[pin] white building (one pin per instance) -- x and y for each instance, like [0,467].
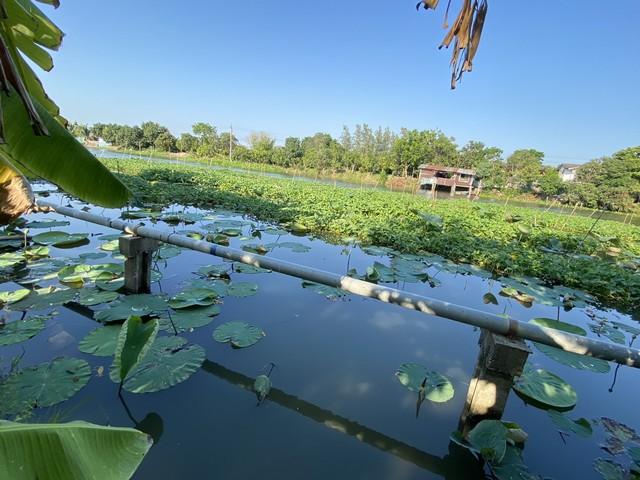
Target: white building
[568,171]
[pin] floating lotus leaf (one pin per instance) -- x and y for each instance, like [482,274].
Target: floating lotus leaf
[194,297]
[140,305]
[378,251]
[580,427]
[248,269]
[512,466]
[634,331]
[34,253]
[610,470]
[218,239]
[110,237]
[20,330]
[94,296]
[221,270]
[538,386]
[168,251]
[609,331]
[44,298]
[111,245]
[416,378]
[169,361]
[12,243]
[101,341]
[256,248]
[231,232]
[262,386]
[489,298]
[240,334]
[61,239]
[558,325]
[14,295]
[329,292]
[619,430]
[10,259]
[490,438]
[293,246]
[47,224]
[111,285]
[581,362]
[275,231]
[242,289]
[43,385]
[78,274]
[187,320]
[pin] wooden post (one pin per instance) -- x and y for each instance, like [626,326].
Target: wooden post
[137,266]
[500,360]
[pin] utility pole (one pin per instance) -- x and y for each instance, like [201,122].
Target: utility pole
[230,140]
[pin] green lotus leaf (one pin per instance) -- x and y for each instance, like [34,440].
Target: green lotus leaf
[262,386]
[242,289]
[92,255]
[11,259]
[20,330]
[489,298]
[101,342]
[187,320]
[221,270]
[609,469]
[169,361]
[139,305]
[331,293]
[44,298]
[168,251]
[194,297]
[134,341]
[538,386]
[47,224]
[293,246]
[248,269]
[239,334]
[490,438]
[111,245]
[580,427]
[14,295]
[111,285]
[43,385]
[558,325]
[61,239]
[94,296]
[434,386]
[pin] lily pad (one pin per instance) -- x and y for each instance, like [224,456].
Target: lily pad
[194,297]
[329,292]
[92,255]
[489,298]
[13,295]
[558,325]
[240,334]
[416,378]
[168,251]
[215,271]
[293,246]
[609,469]
[541,387]
[169,361]
[11,259]
[44,385]
[111,245]
[490,438]
[248,269]
[43,298]
[262,387]
[111,285]
[101,341]
[61,239]
[20,330]
[189,319]
[140,305]
[242,289]
[580,427]
[94,296]
[47,224]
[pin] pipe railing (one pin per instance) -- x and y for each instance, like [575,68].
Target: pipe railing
[495,323]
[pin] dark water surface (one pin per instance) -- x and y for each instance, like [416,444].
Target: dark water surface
[336,409]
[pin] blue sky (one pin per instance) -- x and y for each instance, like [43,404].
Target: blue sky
[561,77]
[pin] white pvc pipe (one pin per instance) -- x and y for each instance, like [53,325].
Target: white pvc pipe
[494,323]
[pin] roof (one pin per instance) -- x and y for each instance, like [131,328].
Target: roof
[569,166]
[441,168]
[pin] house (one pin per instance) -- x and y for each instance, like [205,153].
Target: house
[568,171]
[433,176]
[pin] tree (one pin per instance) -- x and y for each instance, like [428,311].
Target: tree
[292,152]
[549,182]
[523,168]
[226,141]
[262,146]
[207,136]
[321,151]
[187,143]
[415,147]
[165,142]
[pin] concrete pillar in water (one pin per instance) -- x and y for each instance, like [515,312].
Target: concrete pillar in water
[137,266]
[500,360]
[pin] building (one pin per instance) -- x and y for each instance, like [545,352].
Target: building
[568,171]
[454,179]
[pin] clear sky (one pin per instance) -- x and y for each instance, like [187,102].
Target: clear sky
[559,76]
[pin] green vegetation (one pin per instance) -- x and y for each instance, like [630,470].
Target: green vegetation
[557,249]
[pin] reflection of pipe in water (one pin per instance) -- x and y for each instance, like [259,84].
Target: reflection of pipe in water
[457,464]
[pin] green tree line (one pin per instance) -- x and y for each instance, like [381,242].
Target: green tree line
[612,183]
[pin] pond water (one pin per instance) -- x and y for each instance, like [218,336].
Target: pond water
[337,409]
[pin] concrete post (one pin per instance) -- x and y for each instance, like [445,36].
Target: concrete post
[137,266]
[499,361]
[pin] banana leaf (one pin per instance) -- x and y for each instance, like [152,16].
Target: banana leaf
[70,451]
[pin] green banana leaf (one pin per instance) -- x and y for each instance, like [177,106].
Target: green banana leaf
[70,451]
[58,158]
